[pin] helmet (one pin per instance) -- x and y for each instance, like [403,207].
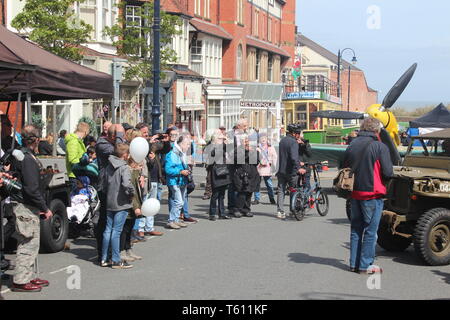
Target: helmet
[294,128]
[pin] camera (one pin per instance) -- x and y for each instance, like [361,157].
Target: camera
[190,178]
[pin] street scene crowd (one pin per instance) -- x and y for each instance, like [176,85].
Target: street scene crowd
[236,162]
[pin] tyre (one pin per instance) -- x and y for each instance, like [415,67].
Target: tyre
[322,203]
[391,242]
[432,237]
[54,231]
[348,209]
[298,206]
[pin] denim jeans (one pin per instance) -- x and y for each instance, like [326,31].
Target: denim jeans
[269,185]
[185,204]
[177,199]
[217,202]
[114,225]
[232,195]
[284,182]
[365,218]
[145,224]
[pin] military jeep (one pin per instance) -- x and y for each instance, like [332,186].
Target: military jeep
[417,208]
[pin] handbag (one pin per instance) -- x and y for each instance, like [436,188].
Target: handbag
[345,179]
[221,170]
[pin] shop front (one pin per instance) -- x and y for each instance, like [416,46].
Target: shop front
[298,107]
[261,105]
[190,108]
[223,106]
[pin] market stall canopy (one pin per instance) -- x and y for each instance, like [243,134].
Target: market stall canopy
[26,68]
[332,114]
[439,117]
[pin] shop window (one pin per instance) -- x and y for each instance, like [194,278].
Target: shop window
[239,63]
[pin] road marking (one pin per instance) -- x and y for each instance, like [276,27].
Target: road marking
[5,291]
[62,269]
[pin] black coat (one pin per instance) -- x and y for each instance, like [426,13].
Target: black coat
[288,156]
[213,162]
[246,177]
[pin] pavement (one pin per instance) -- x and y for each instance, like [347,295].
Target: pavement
[259,258]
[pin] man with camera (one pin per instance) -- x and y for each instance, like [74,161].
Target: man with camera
[28,207]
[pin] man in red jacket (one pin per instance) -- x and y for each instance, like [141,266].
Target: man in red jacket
[370,160]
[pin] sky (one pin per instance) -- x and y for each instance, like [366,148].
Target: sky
[388,36]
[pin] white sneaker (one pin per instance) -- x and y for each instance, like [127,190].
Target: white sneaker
[181,224]
[173,225]
[281,215]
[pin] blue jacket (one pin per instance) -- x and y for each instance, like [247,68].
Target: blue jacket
[173,166]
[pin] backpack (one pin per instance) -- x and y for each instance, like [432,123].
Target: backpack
[345,178]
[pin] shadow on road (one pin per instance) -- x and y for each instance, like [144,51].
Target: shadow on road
[339,221]
[335,296]
[408,257]
[306,258]
[445,276]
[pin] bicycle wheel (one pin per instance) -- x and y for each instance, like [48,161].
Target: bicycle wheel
[322,203]
[298,206]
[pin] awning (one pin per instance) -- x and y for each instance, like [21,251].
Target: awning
[266,46]
[191,107]
[45,75]
[211,29]
[260,95]
[332,114]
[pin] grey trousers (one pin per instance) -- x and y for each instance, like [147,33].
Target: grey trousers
[28,225]
[284,182]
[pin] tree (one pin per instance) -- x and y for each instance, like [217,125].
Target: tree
[54,26]
[133,39]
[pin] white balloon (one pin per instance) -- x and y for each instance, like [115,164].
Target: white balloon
[150,207]
[139,149]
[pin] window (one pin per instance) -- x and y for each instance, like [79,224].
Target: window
[206,9]
[255,23]
[132,16]
[105,16]
[258,66]
[271,3]
[269,30]
[239,63]
[240,12]
[196,51]
[197,7]
[270,69]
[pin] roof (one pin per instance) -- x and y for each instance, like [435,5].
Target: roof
[174,6]
[209,28]
[53,77]
[304,41]
[336,114]
[266,46]
[441,134]
[261,92]
[86,51]
[185,71]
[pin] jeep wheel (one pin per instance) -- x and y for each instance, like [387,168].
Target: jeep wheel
[54,231]
[391,242]
[432,237]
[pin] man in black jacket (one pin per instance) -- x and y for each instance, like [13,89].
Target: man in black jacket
[28,207]
[289,165]
[370,160]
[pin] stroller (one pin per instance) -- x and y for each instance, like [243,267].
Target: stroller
[85,205]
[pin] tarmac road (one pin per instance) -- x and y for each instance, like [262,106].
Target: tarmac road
[261,258]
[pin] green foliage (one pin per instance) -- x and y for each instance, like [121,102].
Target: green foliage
[134,40]
[90,122]
[54,26]
[399,111]
[36,120]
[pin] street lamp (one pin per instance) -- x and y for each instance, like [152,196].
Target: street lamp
[349,72]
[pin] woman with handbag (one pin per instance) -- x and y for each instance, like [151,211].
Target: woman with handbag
[220,176]
[246,178]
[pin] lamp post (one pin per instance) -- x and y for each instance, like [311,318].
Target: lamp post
[156,112]
[349,72]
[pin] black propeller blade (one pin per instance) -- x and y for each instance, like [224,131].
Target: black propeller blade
[399,87]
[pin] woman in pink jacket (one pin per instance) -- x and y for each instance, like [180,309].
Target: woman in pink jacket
[266,168]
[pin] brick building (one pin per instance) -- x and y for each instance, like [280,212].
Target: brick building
[317,60]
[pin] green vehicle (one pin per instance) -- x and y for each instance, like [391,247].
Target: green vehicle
[417,206]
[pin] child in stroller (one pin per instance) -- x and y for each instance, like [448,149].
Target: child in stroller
[84,206]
